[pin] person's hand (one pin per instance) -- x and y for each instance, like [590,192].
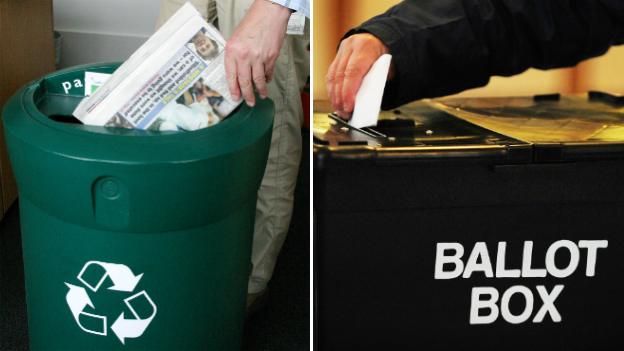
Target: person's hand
[354,59]
[251,52]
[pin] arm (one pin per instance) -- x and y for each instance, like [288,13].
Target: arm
[442,47]
[251,52]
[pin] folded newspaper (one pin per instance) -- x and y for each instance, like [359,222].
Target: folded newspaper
[175,81]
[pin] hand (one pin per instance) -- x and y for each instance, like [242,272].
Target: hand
[354,59]
[251,52]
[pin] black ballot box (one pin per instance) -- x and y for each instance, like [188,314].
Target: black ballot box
[472,224]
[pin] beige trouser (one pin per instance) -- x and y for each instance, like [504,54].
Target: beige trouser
[275,197]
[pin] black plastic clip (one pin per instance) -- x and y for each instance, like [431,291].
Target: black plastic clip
[547,97]
[612,99]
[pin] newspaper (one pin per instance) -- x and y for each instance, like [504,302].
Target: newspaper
[175,81]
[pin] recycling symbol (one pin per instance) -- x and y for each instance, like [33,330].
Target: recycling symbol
[123,280]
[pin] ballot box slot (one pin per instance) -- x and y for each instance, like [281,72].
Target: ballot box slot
[416,133]
[400,130]
[366,131]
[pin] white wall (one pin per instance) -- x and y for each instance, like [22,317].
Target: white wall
[98,31]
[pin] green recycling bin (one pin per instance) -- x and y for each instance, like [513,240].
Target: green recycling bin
[133,240]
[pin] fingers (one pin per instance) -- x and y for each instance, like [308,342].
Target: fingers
[337,77]
[238,69]
[330,79]
[245,81]
[269,70]
[340,75]
[354,74]
[245,69]
[231,75]
[259,78]
[354,59]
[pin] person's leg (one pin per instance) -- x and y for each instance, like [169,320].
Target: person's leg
[301,53]
[276,193]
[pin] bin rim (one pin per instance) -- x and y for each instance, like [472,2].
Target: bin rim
[22,117]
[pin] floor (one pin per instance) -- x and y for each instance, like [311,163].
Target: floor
[283,324]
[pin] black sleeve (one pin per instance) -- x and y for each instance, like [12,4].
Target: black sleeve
[441,47]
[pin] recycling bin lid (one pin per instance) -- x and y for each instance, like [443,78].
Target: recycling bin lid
[130,180]
[415,132]
[45,105]
[560,128]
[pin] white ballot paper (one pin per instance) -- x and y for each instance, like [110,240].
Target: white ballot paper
[368,98]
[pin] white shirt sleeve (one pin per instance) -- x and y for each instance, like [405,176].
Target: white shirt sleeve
[302,6]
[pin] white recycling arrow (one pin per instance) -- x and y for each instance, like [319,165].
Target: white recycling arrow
[123,280]
[133,328]
[122,276]
[77,299]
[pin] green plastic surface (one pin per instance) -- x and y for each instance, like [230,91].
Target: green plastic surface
[177,207]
